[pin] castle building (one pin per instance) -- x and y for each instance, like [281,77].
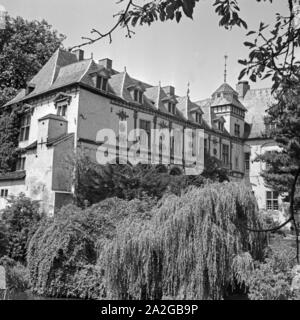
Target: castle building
[72,98]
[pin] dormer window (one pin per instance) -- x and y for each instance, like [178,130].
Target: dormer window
[62,110]
[220,126]
[101,83]
[172,107]
[198,117]
[138,96]
[61,102]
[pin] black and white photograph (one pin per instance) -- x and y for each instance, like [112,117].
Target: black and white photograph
[149,151]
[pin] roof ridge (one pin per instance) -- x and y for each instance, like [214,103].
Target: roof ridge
[123,84]
[54,71]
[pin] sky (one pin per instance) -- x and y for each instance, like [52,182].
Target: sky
[175,54]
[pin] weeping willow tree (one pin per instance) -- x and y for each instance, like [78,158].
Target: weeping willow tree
[191,246]
[187,249]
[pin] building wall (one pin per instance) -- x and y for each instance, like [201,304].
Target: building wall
[231,121]
[40,172]
[46,106]
[97,112]
[63,166]
[39,166]
[253,176]
[38,182]
[13,187]
[237,157]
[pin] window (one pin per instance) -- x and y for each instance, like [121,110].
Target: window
[25,127]
[237,130]
[220,126]
[62,110]
[225,154]
[272,200]
[237,162]
[20,163]
[146,125]
[205,145]
[172,146]
[171,107]
[198,117]
[138,96]
[4,193]
[247,160]
[101,83]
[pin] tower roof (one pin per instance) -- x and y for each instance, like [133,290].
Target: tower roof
[225,88]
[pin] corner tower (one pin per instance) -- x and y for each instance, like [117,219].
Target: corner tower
[225,103]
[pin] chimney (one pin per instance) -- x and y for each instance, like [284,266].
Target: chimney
[51,127]
[79,54]
[169,90]
[242,88]
[106,63]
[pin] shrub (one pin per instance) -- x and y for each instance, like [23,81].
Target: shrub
[271,279]
[17,276]
[98,182]
[63,252]
[20,217]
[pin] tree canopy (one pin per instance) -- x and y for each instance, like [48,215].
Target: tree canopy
[25,46]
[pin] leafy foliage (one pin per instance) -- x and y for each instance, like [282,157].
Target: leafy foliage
[283,166]
[17,276]
[97,182]
[25,46]
[3,239]
[63,252]
[20,218]
[9,134]
[186,249]
[271,278]
[179,247]
[141,13]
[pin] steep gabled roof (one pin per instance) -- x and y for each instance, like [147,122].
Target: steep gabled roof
[225,88]
[205,107]
[46,78]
